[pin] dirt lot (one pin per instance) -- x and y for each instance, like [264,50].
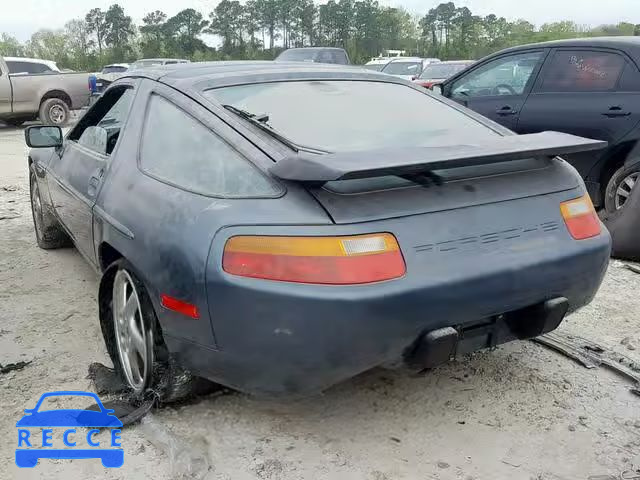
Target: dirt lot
[519,412]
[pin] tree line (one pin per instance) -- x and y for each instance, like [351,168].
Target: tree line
[260,29]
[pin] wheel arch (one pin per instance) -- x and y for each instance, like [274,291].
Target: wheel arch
[623,154]
[107,255]
[59,94]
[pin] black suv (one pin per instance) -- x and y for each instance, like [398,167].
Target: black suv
[588,87]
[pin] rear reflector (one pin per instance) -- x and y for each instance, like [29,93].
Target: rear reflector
[323,260]
[179,306]
[581,218]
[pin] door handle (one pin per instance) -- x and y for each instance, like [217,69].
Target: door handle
[94,183]
[506,110]
[616,111]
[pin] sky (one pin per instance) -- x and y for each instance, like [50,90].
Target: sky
[27,16]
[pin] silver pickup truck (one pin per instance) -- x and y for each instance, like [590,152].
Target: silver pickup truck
[48,96]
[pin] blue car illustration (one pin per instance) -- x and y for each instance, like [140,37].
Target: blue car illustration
[112,457]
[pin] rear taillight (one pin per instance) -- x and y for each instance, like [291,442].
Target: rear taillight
[581,218]
[324,260]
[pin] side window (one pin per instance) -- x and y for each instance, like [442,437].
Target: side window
[582,71]
[179,150]
[502,76]
[99,129]
[20,67]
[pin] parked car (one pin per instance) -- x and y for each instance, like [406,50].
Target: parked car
[315,54]
[156,62]
[377,64]
[408,68]
[438,72]
[260,241]
[115,68]
[47,95]
[108,75]
[585,87]
[30,66]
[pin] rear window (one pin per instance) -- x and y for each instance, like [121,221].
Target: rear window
[582,71]
[298,55]
[114,69]
[403,68]
[146,64]
[339,115]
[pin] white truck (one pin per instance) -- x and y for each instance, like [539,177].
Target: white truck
[48,95]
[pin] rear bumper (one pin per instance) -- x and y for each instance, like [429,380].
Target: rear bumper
[289,339]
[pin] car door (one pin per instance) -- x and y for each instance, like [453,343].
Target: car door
[583,91]
[75,176]
[5,92]
[498,87]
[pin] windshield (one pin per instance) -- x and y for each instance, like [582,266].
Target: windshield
[442,70]
[402,68]
[114,69]
[375,66]
[352,115]
[298,55]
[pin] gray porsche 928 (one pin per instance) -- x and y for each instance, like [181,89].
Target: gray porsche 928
[279,227]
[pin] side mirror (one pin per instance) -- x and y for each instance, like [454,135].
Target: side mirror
[413,77]
[42,136]
[436,89]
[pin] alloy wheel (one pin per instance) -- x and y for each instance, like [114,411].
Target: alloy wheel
[36,206]
[133,340]
[57,114]
[624,189]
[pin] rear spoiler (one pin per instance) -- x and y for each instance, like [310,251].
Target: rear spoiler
[307,167]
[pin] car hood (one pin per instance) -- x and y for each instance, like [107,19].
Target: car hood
[69,418]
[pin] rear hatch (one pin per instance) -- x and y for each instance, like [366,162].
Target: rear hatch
[366,186]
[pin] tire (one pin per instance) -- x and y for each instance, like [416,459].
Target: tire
[54,111]
[619,187]
[49,233]
[623,223]
[160,374]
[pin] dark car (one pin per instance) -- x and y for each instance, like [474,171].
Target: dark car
[315,54]
[278,228]
[588,87]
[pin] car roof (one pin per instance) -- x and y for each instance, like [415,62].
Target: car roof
[26,59]
[50,63]
[450,62]
[116,65]
[407,59]
[200,76]
[313,48]
[629,44]
[161,60]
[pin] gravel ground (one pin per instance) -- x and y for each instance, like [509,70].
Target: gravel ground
[519,412]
